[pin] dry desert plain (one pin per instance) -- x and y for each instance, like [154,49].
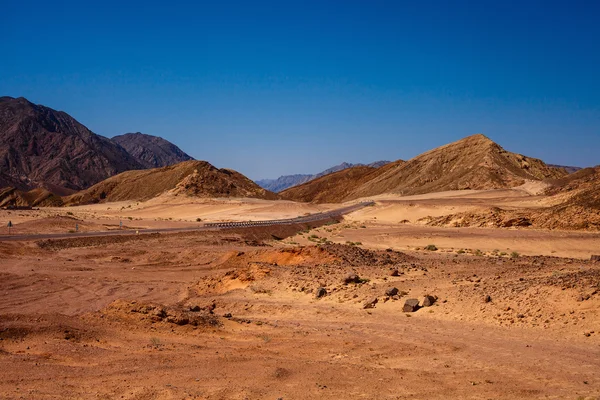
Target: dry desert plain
[234,314]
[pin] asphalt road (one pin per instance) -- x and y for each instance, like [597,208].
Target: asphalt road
[208,226]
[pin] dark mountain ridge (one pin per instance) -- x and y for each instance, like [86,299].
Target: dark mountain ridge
[42,147]
[151,151]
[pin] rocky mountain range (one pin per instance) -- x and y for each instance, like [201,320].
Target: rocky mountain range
[151,151]
[474,162]
[41,147]
[288,181]
[44,148]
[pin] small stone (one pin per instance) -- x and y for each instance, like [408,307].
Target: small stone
[391,291]
[195,308]
[487,298]
[395,272]
[371,303]
[320,292]
[428,301]
[411,305]
[227,315]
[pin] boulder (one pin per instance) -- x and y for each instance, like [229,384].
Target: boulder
[428,301]
[411,305]
[391,291]
[320,292]
[351,278]
[371,303]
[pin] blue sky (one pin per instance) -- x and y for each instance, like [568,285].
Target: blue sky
[279,87]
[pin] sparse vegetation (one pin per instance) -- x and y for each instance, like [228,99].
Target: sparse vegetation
[155,342]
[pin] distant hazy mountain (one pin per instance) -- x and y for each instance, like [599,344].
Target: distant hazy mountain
[570,170]
[42,147]
[288,181]
[151,151]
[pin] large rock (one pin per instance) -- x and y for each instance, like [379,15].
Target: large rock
[428,301]
[351,278]
[391,291]
[371,303]
[320,292]
[411,305]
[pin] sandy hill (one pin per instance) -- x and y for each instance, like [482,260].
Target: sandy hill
[151,151]
[42,147]
[577,202]
[287,181]
[573,203]
[11,197]
[474,162]
[193,178]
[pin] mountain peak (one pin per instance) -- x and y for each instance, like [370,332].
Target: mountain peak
[151,151]
[474,162]
[42,147]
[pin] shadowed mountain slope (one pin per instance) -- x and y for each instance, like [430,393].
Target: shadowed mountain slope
[42,147]
[151,151]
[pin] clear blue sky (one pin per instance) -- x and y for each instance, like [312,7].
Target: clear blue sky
[279,87]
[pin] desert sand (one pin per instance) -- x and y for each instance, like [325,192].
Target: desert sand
[235,314]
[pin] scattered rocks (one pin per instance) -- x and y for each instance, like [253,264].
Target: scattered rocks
[371,303]
[321,292]
[595,257]
[391,291]
[352,278]
[410,305]
[428,301]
